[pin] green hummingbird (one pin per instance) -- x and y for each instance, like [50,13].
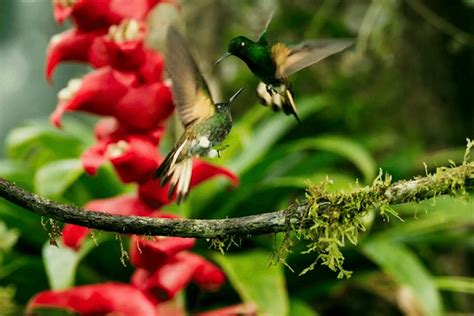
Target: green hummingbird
[273,64]
[206,124]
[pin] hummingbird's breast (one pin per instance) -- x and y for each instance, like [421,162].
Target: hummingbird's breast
[217,127]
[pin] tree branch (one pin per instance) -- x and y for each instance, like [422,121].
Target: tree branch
[454,180]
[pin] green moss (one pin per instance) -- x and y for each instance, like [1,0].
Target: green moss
[332,219]
[52,228]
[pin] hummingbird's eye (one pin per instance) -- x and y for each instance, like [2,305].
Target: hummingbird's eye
[242,44]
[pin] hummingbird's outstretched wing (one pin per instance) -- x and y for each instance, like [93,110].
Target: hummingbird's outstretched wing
[308,53]
[262,37]
[190,92]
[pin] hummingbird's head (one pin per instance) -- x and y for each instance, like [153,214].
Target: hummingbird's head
[225,106]
[238,46]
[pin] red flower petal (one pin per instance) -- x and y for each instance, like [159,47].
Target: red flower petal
[94,157]
[154,194]
[143,108]
[165,282]
[94,14]
[98,93]
[248,309]
[168,279]
[203,170]
[61,10]
[152,67]
[148,253]
[70,45]
[74,235]
[137,161]
[208,276]
[134,156]
[97,299]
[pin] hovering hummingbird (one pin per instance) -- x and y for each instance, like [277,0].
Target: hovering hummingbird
[206,124]
[273,64]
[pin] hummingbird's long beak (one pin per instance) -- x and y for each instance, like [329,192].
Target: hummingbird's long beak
[232,98]
[226,54]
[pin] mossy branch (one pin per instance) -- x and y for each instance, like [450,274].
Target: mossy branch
[319,206]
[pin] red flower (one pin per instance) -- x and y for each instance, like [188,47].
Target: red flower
[144,107]
[70,45]
[109,92]
[97,299]
[134,156]
[97,92]
[93,14]
[147,253]
[168,279]
[153,194]
[74,235]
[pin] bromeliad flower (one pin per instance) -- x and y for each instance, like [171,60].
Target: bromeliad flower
[168,278]
[95,14]
[71,45]
[112,93]
[149,252]
[134,156]
[97,92]
[98,299]
[73,235]
[121,47]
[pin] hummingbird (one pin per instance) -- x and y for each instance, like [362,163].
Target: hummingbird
[206,124]
[273,64]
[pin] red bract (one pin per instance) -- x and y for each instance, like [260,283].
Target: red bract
[97,299]
[167,280]
[149,253]
[97,93]
[144,107]
[70,45]
[74,235]
[94,14]
[153,194]
[133,156]
[112,93]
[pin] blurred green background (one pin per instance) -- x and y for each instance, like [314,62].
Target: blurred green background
[401,97]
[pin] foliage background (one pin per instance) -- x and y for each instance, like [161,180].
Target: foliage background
[402,96]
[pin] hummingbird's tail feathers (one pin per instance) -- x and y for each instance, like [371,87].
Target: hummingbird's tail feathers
[278,98]
[179,176]
[178,173]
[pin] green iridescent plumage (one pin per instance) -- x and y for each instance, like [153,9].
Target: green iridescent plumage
[206,123]
[273,64]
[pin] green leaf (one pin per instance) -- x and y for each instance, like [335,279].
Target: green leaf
[16,171]
[342,146]
[300,308]
[8,237]
[61,263]
[29,224]
[256,281]
[270,131]
[444,213]
[405,268]
[38,143]
[455,284]
[54,178]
